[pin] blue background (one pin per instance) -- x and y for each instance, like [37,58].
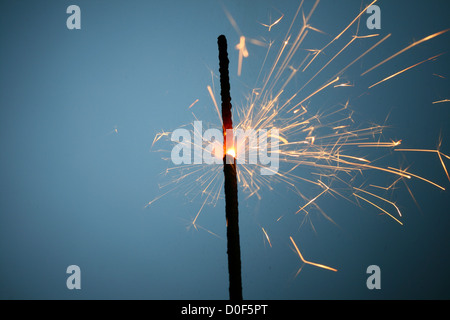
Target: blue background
[73,191]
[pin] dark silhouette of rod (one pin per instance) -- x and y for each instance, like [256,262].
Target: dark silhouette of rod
[229,169]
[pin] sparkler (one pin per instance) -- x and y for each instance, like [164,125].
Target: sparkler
[229,170]
[326,144]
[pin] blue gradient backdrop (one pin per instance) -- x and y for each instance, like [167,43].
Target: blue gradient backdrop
[73,191]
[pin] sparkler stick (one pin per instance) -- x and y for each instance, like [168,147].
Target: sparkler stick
[229,169]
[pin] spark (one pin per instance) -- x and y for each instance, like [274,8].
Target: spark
[416,43]
[158,136]
[309,262]
[267,236]
[243,53]
[386,188]
[215,102]
[418,177]
[441,101]
[160,196]
[379,144]
[113,131]
[196,226]
[348,84]
[193,103]
[342,32]
[381,198]
[232,21]
[272,24]
[314,199]
[315,92]
[364,54]
[439,153]
[406,69]
[378,207]
[354,20]
[198,213]
[438,75]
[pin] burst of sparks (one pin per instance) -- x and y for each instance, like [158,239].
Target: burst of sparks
[325,143]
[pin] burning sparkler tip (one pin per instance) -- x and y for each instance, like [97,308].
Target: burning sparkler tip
[231,152]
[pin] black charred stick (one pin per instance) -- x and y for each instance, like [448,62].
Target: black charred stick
[229,169]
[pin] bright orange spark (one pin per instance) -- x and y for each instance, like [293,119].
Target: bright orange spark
[378,207]
[441,101]
[438,75]
[440,154]
[354,20]
[215,103]
[443,165]
[386,188]
[362,55]
[381,198]
[267,237]
[232,21]
[418,177]
[159,136]
[406,69]
[314,199]
[423,150]
[193,104]
[243,53]
[348,84]
[309,262]
[342,32]
[271,25]
[314,93]
[379,144]
[405,49]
